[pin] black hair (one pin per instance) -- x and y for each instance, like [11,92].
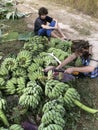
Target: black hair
[43,11]
[79,45]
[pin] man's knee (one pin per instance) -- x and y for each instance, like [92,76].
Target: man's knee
[42,32]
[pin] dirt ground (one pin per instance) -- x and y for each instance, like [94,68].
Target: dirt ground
[75,25]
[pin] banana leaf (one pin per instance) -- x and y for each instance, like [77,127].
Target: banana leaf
[25,36]
[11,36]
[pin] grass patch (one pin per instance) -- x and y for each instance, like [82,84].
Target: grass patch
[89,7]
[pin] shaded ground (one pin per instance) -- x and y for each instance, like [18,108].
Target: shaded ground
[75,25]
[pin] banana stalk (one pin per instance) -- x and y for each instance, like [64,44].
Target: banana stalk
[3,118]
[84,107]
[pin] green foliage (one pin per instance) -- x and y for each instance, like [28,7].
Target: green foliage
[14,15]
[25,36]
[11,36]
[87,6]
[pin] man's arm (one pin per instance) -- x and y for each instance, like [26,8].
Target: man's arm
[48,27]
[80,69]
[67,60]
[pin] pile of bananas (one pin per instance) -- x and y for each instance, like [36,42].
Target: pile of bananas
[31,95]
[54,89]
[53,117]
[24,58]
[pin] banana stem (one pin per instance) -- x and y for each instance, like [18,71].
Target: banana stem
[84,107]
[3,118]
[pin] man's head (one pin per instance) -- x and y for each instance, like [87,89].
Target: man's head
[43,12]
[81,48]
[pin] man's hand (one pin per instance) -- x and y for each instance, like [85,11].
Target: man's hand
[69,70]
[49,68]
[48,27]
[45,26]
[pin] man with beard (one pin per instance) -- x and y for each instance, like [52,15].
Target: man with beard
[88,51]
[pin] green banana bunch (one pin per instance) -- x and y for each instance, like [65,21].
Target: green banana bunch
[36,75]
[53,117]
[47,59]
[9,64]
[60,54]
[20,85]
[2,103]
[54,42]
[71,95]
[54,89]
[2,81]
[54,105]
[39,40]
[31,95]
[24,58]
[20,72]
[34,48]
[38,60]
[3,71]
[35,72]
[11,86]
[72,98]
[15,127]
[57,43]
[28,46]
[34,67]
[50,127]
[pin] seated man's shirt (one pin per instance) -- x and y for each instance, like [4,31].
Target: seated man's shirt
[39,22]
